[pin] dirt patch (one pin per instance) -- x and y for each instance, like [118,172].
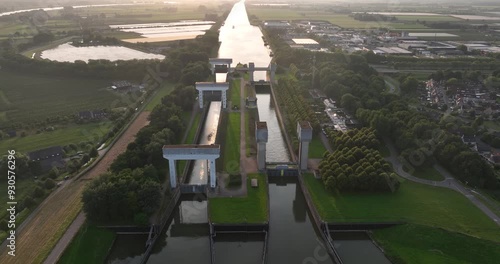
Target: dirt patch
[56,213]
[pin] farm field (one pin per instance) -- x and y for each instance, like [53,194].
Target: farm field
[61,136]
[412,203]
[34,98]
[341,20]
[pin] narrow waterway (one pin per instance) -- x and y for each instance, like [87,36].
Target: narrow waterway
[187,238]
[292,238]
[357,247]
[199,173]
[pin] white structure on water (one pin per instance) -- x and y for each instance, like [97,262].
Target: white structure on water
[191,152]
[209,86]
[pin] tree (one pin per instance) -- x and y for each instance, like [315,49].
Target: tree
[43,37]
[38,192]
[410,84]
[49,184]
[53,173]
[452,82]
[93,153]
[350,102]
[462,48]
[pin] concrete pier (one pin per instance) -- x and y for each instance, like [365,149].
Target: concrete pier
[304,132]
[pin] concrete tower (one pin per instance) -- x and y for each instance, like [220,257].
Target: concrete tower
[261,138]
[251,70]
[304,131]
[273,71]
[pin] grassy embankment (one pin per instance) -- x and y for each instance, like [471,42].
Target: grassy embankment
[436,209]
[316,148]
[413,243]
[249,209]
[91,242]
[231,132]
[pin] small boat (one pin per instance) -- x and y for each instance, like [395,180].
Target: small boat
[233,27]
[271,54]
[210,136]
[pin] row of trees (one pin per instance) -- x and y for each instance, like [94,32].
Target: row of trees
[129,70]
[295,107]
[358,169]
[373,17]
[129,194]
[354,138]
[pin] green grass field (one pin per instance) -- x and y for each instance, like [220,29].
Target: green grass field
[421,244]
[235,92]
[249,209]
[165,89]
[413,203]
[316,148]
[250,118]
[59,137]
[91,245]
[341,20]
[231,155]
[34,98]
[428,174]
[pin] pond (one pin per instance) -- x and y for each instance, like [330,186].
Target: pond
[69,53]
[156,32]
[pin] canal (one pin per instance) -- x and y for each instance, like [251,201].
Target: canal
[292,235]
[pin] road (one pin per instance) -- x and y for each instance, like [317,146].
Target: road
[449,182]
[42,228]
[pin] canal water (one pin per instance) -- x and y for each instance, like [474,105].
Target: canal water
[357,247]
[292,236]
[243,43]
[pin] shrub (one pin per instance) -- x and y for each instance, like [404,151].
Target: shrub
[49,184]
